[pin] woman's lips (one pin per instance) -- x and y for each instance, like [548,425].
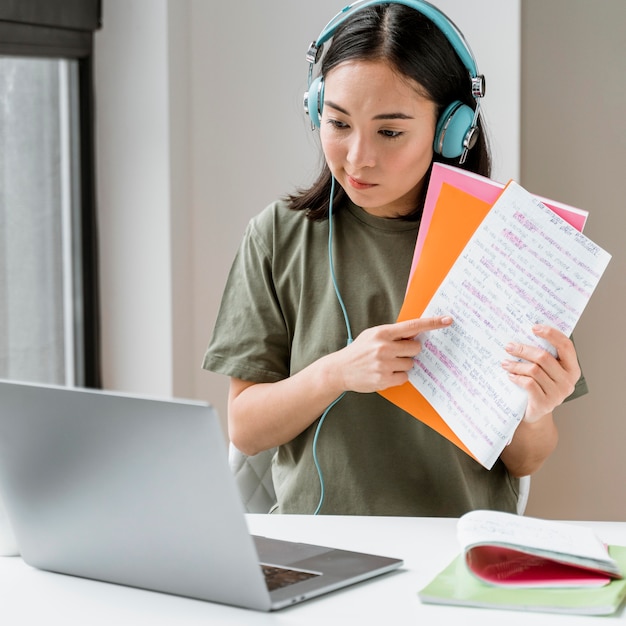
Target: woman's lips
[359,184]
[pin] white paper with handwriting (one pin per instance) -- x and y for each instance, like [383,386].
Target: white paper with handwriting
[523,265]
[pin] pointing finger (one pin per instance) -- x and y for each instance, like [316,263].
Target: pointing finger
[410,328]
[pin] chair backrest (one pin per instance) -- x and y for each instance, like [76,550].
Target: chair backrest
[253,475]
[524,491]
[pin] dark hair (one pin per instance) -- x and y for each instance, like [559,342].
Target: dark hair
[417,49]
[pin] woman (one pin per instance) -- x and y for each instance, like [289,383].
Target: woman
[308,340]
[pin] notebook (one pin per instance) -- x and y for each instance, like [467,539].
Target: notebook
[138,491]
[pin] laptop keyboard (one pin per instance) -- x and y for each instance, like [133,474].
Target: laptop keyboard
[278,577]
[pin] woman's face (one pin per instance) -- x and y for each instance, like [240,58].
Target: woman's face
[377,135]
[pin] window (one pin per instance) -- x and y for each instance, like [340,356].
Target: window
[48,272]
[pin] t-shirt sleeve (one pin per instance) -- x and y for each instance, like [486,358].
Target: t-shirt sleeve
[250,339]
[579,390]
[581,386]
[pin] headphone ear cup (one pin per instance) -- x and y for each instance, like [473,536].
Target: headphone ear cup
[453,129]
[315,101]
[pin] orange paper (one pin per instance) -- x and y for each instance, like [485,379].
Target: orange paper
[457,215]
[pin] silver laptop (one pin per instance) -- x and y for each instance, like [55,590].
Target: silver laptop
[138,491]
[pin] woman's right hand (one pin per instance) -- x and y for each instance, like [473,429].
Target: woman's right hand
[381,356]
[265,415]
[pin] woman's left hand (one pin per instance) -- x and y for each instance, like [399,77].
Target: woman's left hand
[547,379]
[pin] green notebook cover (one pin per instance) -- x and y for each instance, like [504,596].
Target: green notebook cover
[456,585]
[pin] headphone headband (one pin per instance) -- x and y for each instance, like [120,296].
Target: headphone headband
[444,23]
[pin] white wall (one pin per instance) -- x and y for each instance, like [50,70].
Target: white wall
[133,195]
[199,126]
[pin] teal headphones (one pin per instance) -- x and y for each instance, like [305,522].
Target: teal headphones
[457,128]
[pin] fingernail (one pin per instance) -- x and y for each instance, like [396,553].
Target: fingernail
[446,320]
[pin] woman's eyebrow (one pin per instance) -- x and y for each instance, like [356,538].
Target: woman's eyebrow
[332,105]
[393,116]
[381,116]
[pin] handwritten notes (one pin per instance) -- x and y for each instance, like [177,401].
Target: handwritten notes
[523,265]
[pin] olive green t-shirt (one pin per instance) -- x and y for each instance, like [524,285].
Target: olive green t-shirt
[280,313]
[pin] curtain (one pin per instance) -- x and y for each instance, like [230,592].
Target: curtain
[37,191]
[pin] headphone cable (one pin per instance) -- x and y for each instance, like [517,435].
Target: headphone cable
[349,331]
[331,262]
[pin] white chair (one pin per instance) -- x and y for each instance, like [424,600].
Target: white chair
[524,491]
[253,475]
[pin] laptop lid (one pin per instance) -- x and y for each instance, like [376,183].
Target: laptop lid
[138,491]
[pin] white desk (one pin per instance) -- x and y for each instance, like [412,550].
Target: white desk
[29,596]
